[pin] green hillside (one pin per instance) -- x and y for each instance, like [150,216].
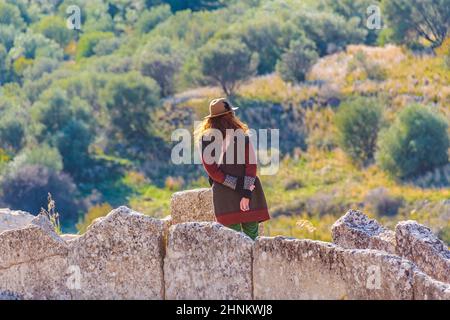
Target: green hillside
[87,114]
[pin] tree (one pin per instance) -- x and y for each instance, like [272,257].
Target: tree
[34,45]
[129,100]
[227,62]
[296,62]
[150,18]
[89,41]
[410,20]
[358,122]
[416,142]
[330,31]
[54,28]
[160,61]
[67,125]
[10,16]
[12,133]
[266,36]
[356,8]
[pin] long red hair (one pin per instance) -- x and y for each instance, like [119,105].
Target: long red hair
[222,123]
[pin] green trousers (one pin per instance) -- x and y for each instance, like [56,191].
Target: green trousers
[249,228]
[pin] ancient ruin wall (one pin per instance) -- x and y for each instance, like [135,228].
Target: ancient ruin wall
[126,255]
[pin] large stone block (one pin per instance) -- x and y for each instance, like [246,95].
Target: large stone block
[119,257]
[205,260]
[286,268]
[191,206]
[356,230]
[33,262]
[10,219]
[304,269]
[417,243]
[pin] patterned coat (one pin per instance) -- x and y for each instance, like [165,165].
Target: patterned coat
[231,181]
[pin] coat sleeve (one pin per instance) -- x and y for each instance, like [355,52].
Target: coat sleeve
[250,169]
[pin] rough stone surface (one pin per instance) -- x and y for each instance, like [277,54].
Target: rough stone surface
[426,288]
[304,269]
[417,243]
[120,257]
[10,219]
[205,260]
[356,230]
[192,205]
[33,261]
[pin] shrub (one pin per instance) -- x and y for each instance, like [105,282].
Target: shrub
[415,143]
[160,61]
[27,189]
[380,202]
[296,62]
[358,122]
[149,19]
[54,27]
[41,155]
[130,99]
[12,134]
[89,41]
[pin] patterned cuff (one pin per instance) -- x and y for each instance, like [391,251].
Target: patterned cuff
[248,182]
[230,182]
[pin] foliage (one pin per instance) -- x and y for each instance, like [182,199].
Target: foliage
[54,28]
[27,190]
[151,18]
[297,61]
[227,62]
[411,20]
[380,202]
[416,142]
[94,212]
[51,214]
[358,122]
[12,133]
[129,100]
[161,61]
[89,41]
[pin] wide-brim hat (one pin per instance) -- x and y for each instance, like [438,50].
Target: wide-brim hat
[220,107]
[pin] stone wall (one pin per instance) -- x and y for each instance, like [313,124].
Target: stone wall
[410,240]
[127,255]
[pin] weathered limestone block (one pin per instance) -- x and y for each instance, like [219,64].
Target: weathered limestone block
[119,257]
[33,262]
[427,288]
[376,275]
[286,268]
[10,219]
[205,260]
[192,205]
[417,243]
[304,269]
[356,230]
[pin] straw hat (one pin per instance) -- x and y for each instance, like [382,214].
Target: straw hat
[219,107]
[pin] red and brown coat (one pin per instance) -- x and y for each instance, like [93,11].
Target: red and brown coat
[232,181]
